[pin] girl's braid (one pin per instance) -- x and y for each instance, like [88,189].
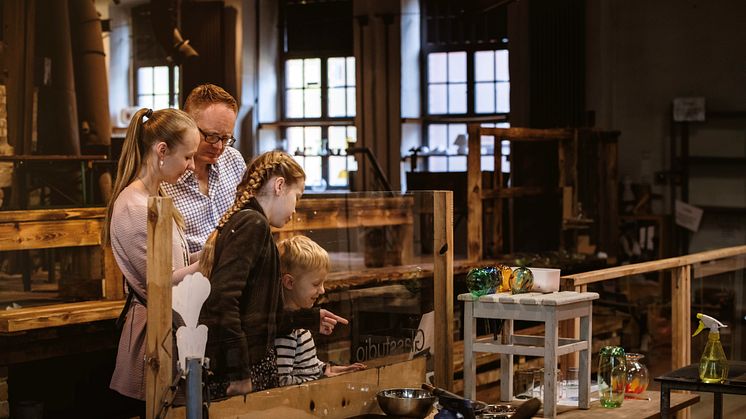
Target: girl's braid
[238,205]
[262,172]
[256,179]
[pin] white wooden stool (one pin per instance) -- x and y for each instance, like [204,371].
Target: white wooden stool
[548,308]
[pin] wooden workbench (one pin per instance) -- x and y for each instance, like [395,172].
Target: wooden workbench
[631,408]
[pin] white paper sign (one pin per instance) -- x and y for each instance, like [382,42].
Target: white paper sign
[688,216]
[689,109]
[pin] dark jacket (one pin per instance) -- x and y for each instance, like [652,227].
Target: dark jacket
[244,311]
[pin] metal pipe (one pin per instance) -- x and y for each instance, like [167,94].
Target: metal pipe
[194,388]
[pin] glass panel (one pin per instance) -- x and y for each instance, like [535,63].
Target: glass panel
[437,99]
[503,98]
[436,68]
[337,138]
[505,146]
[488,144]
[484,66]
[337,171]
[336,72]
[351,164]
[484,96]
[312,167]
[456,67]
[145,81]
[145,101]
[294,103]
[502,125]
[457,164]
[176,80]
[337,102]
[160,102]
[502,70]
[351,138]
[351,102]
[456,144]
[312,72]
[312,103]
[312,139]
[505,165]
[488,163]
[294,73]
[437,137]
[350,71]
[160,80]
[438,164]
[295,140]
[457,98]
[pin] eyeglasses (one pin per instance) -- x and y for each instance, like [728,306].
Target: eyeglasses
[227,140]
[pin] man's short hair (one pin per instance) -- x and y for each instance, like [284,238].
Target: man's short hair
[205,95]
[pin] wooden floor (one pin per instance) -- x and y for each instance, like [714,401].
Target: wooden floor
[734,406]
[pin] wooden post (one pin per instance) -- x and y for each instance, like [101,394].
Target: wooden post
[443,287]
[474,195]
[113,287]
[681,289]
[159,342]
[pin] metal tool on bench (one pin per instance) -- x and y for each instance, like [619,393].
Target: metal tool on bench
[472,409]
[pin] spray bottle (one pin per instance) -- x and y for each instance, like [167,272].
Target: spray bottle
[713,367]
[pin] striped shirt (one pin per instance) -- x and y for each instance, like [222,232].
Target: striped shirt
[296,358]
[202,212]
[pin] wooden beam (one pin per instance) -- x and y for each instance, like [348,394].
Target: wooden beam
[159,342]
[25,319]
[343,396]
[527,134]
[519,191]
[51,214]
[443,287]
[654,266]
[113,286]
[681,314]
[49,234]
[474,195]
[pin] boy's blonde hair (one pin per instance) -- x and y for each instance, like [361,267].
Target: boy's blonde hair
[299,254]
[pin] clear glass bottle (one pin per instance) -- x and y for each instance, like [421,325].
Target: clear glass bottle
[612,376]
[637,374]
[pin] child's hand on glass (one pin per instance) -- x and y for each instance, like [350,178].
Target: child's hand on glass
[333,370]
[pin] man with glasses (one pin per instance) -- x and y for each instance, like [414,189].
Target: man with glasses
[203,195]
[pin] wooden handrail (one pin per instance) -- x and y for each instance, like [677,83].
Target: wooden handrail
[652,266]
[681,291]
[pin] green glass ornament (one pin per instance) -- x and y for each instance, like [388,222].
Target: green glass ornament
[521,280]
[481,281]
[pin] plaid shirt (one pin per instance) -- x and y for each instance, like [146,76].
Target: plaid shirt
[202,212]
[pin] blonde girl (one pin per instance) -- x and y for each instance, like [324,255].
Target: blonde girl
[159,147]
[244,311]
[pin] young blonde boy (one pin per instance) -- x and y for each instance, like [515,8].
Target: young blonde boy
[304,266]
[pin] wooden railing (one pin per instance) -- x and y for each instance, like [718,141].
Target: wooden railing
[681,289]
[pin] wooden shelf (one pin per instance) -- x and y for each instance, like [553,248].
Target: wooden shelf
[24,319]
[723,210]
[715,160]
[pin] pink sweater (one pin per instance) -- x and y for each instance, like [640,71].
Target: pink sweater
[129,234]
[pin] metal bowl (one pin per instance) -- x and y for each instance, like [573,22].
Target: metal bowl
[407,402]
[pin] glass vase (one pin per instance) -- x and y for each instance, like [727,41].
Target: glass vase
[481,281]
[637,374]
[612,376]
